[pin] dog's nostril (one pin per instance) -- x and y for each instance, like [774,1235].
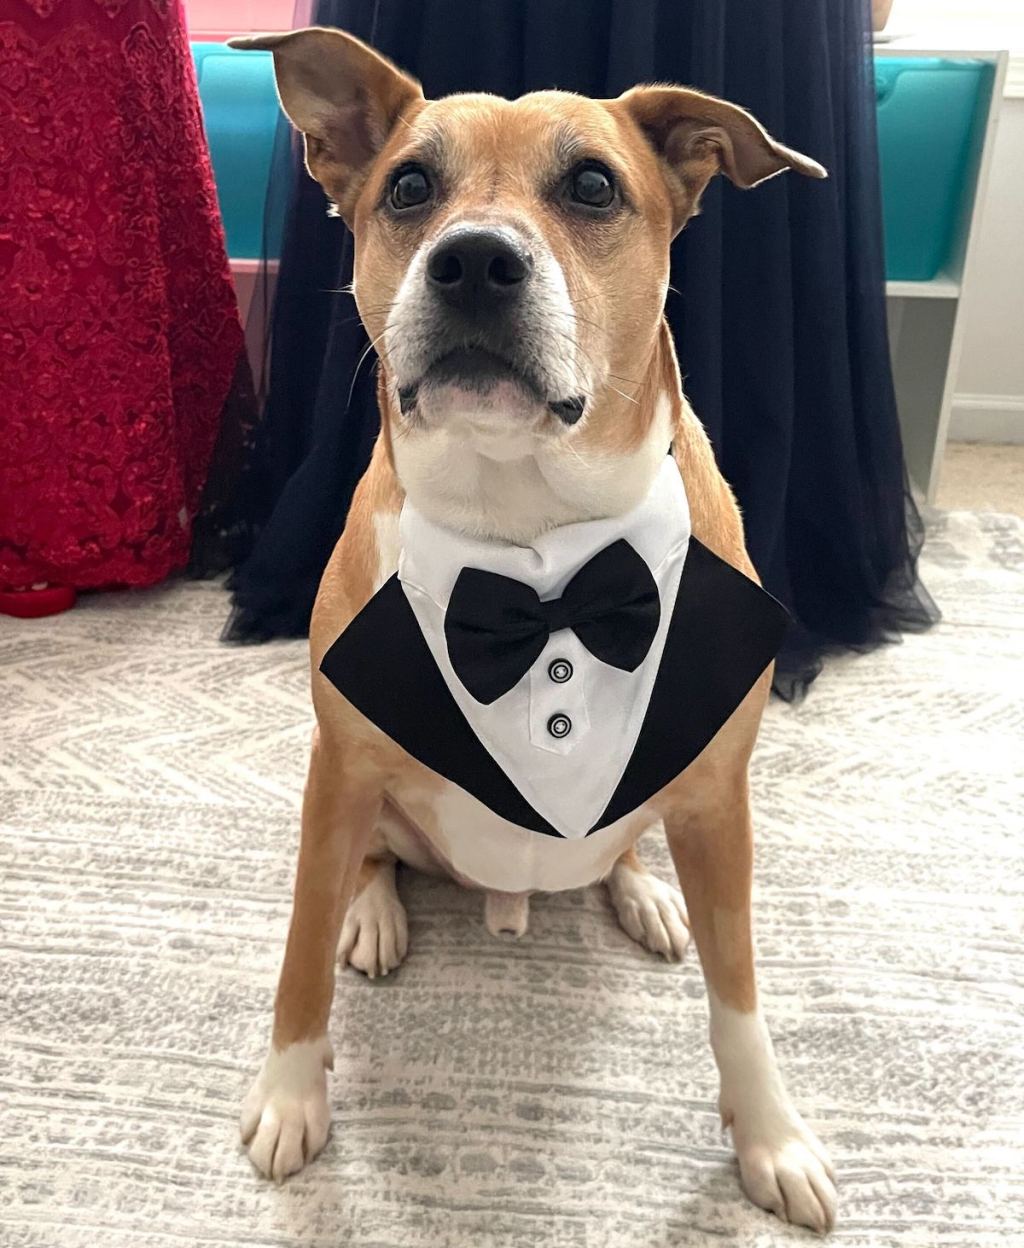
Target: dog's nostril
[506,269]
[445,268]
[470,268]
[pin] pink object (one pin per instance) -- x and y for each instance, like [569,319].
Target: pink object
[220,19]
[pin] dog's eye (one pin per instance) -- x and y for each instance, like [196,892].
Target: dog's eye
[593,186]
[410,187]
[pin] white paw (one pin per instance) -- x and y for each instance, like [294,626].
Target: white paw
[650,911]
[375,934]
[285,1117]
[784,1168]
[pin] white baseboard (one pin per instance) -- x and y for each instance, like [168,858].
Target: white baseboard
[987,418]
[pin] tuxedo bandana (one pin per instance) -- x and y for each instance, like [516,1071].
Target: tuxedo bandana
[562,683]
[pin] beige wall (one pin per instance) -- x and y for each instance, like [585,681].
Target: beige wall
[989,402]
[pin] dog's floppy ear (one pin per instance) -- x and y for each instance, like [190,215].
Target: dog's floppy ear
[698,135]
[343,96]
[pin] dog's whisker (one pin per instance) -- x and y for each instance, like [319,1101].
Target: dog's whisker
[580,351]
[370,346]
[627,397]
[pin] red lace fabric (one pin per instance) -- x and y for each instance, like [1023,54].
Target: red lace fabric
[119,332]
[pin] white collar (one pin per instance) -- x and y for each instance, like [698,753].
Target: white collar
[433,556]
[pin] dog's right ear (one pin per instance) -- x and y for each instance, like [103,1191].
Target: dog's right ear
[343,96]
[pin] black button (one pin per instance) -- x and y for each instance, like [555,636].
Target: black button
[560,670]
[559,726]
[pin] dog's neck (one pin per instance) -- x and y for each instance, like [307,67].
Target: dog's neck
[492,483]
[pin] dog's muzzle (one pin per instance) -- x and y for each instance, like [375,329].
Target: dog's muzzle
[489,320]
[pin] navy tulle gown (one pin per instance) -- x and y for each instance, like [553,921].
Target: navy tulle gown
[778,308]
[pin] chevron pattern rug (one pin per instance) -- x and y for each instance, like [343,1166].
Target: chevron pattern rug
[558,1092]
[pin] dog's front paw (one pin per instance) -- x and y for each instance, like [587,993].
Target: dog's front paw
[650,911]
[784,1168]
[285,1117]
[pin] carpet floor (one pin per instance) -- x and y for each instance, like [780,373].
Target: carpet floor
[556,1092]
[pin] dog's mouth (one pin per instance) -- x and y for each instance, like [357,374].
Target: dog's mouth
[475,370]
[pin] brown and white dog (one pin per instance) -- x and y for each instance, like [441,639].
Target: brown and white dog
[561,210]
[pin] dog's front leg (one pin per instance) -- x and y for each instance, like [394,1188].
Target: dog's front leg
[286,1115]
[783,1166]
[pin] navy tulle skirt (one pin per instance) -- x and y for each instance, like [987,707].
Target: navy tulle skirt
[777,308]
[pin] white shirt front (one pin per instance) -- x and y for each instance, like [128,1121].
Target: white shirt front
[564,734]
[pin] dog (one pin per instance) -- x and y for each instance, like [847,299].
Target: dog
[511,269]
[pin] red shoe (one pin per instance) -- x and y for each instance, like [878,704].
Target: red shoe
[33,604]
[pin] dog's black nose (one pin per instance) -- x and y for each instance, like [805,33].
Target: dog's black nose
[478,270]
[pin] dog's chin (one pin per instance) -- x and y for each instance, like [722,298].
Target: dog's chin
[479,397]
[501,422]
[485,400]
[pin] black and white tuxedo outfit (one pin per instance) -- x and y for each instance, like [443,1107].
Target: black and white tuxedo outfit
[557,686]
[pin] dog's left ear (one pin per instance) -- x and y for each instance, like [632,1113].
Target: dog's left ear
[343,96]
[698,135]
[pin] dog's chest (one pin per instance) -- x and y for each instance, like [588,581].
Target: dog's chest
[480,848]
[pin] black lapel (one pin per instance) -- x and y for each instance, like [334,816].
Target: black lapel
[384,667]
[725,630]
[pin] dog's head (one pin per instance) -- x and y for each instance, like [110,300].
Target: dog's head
[511,257]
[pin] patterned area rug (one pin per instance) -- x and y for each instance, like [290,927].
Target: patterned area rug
[557,1092]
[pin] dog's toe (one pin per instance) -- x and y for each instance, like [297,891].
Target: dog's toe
[286,1117]
[650,911]
[787,1172]
[375,934]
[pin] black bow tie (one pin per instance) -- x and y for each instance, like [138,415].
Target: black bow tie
[496,627]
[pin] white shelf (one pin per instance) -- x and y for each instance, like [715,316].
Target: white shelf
[925,318]
[941,286]
[251,264]
[916,45]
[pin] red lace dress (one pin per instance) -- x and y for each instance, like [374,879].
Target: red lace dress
[119,333]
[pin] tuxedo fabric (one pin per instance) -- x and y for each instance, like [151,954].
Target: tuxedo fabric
[562,744]
[629,733]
